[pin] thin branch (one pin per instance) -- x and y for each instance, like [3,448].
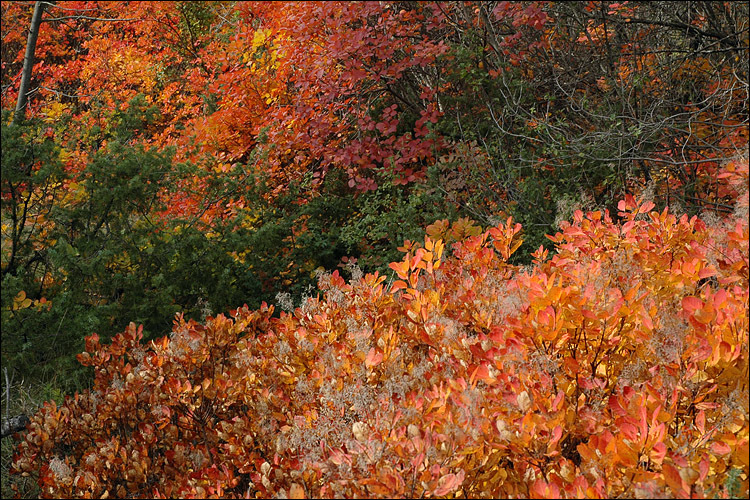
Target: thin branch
[109,19]
[52,4]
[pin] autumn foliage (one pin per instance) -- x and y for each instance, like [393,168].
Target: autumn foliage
[567,316]
[617,366]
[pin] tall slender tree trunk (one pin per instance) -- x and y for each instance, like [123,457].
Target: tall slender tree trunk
[28,64]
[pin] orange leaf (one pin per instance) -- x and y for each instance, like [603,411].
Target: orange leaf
[704,467]
[705,315]
[296,491]
[398,285]
[700,421]
[646,207]
[373,358]
[691,303]
[742,452]
[658,452]
[448,483]
[720,448]
[674,480]
[554,438]
[572,366]
[401,268]
[480,373]
[627,455]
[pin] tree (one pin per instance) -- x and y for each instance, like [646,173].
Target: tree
[28,63]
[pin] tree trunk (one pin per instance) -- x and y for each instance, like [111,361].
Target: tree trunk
[28,64]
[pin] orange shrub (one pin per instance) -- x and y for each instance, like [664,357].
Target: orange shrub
[616,367]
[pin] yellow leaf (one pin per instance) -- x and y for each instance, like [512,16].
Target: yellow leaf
[21,301]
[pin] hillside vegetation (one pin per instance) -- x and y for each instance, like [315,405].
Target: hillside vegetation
[375,249]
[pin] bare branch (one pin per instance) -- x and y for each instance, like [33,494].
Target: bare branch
[87,18]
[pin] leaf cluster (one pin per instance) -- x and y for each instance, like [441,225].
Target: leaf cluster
[616,366]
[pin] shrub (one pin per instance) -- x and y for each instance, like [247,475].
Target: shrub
[615,367]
